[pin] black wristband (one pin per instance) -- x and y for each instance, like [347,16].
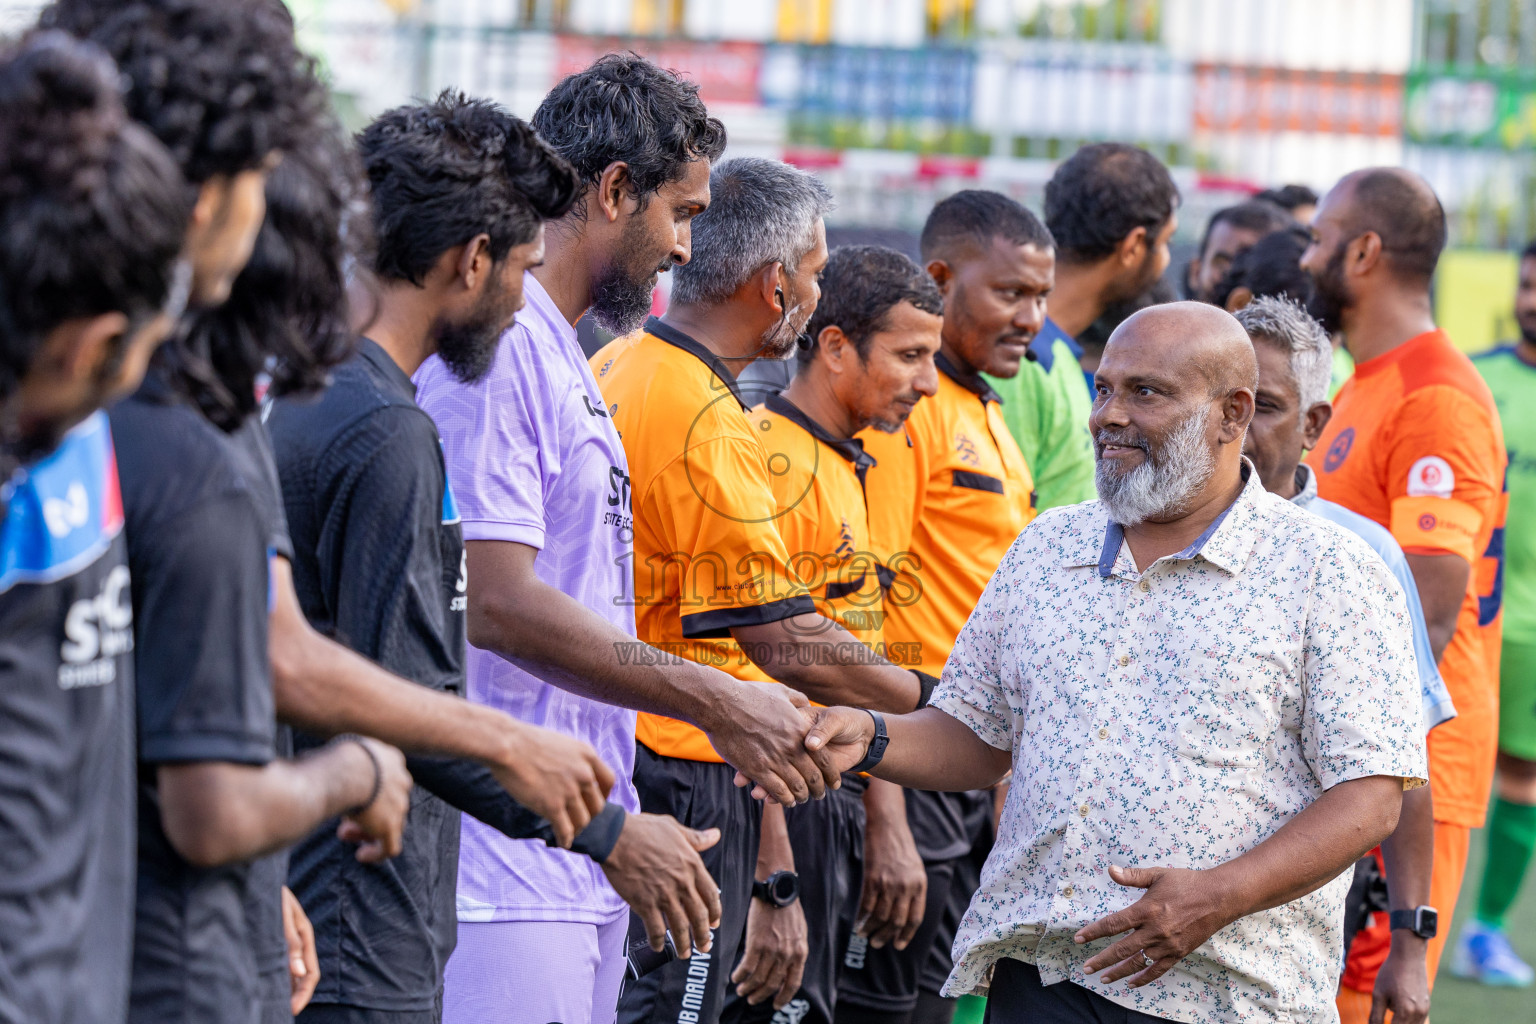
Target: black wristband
[378,772]
[877,745]
[598,839]
[925,685]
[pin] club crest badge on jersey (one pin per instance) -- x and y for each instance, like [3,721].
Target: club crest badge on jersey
[1431,477]
[1339,450]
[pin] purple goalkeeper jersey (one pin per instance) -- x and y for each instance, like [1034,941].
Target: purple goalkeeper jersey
[534,459]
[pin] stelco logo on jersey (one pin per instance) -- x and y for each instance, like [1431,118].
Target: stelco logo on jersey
[96,630]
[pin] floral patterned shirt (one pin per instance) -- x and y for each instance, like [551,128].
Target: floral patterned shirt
[1178,716]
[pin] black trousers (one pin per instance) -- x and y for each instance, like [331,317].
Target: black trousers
[700,794]
[827,837]
[1017,997]
[340,1013]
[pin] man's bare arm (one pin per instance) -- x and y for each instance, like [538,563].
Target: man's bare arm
[756,728]
[1442,583]
[1402,984]
[1182,908]
[327,689]
[853,674]
[927,750]
[218,812]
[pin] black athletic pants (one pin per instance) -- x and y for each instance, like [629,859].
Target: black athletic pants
[827,837]
[700,794]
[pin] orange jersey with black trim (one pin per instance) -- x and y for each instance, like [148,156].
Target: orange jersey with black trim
[707,553]
[946,499]
[818,481]
[1415,444]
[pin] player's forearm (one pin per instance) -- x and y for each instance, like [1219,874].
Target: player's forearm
[1442,585]
[828,664]
[774,852]
[1311,849]
[930,750]
[1409,852]
[218,813]
[547,633]
[327,689]
[470,787]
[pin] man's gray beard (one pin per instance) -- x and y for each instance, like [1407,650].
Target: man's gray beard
[1165,482]
[779,341]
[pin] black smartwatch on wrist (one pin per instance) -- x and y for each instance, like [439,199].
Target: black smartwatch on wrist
[1422,921]
[877,745]
[779,889]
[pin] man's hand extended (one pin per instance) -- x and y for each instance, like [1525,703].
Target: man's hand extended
[762,735]
[655,867]
[559,778]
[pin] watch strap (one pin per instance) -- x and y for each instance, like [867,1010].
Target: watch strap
[1409,920]
[877,745]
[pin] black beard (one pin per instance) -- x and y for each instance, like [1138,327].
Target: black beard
[1329,299]
[468,349]
[1527,332]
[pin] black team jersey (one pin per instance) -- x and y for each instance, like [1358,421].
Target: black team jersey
[66,738]
[198,550]
[378,564]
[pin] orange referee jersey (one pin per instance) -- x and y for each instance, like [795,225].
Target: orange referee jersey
[946,499]
[818,480]
[1415,444]
[707,554]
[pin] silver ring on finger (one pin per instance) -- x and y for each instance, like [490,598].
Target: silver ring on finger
[1146,960]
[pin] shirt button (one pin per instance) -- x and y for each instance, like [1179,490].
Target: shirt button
[1146,588]
[1067,892]
[1125,659]
[1082,810]
[1103,733]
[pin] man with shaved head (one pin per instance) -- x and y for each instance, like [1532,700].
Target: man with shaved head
[1415,445]
[1202,691]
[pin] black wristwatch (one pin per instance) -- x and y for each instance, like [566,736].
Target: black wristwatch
[877,745]
[1422,921]
[779,889]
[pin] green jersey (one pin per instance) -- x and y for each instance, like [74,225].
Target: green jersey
[1343,369]
[1513,383]
[1046,406]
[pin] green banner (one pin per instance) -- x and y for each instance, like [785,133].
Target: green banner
[1491,110]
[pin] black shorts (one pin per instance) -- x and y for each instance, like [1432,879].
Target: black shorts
[963,885]
[700,794]
[828,840]
[888,979]
[1018,997]
[341,1013]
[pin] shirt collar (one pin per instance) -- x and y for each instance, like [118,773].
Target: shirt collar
[972,382]
[672,336]
[850,448]
[1306,485]
[385,364]
[1226,543]
[1043,349]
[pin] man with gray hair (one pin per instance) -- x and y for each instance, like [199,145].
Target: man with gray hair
[713,579]
[1202,691]
[1291,409]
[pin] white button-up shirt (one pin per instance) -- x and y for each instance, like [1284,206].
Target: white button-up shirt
[1178,717]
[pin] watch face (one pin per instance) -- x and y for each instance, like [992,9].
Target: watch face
[1429,922]
[783,887]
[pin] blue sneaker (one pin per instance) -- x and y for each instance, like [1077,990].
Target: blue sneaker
[1483,954]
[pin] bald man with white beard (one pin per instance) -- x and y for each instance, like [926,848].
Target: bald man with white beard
[1200,693]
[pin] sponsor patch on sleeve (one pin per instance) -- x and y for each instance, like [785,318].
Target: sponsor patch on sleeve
[1431,477]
